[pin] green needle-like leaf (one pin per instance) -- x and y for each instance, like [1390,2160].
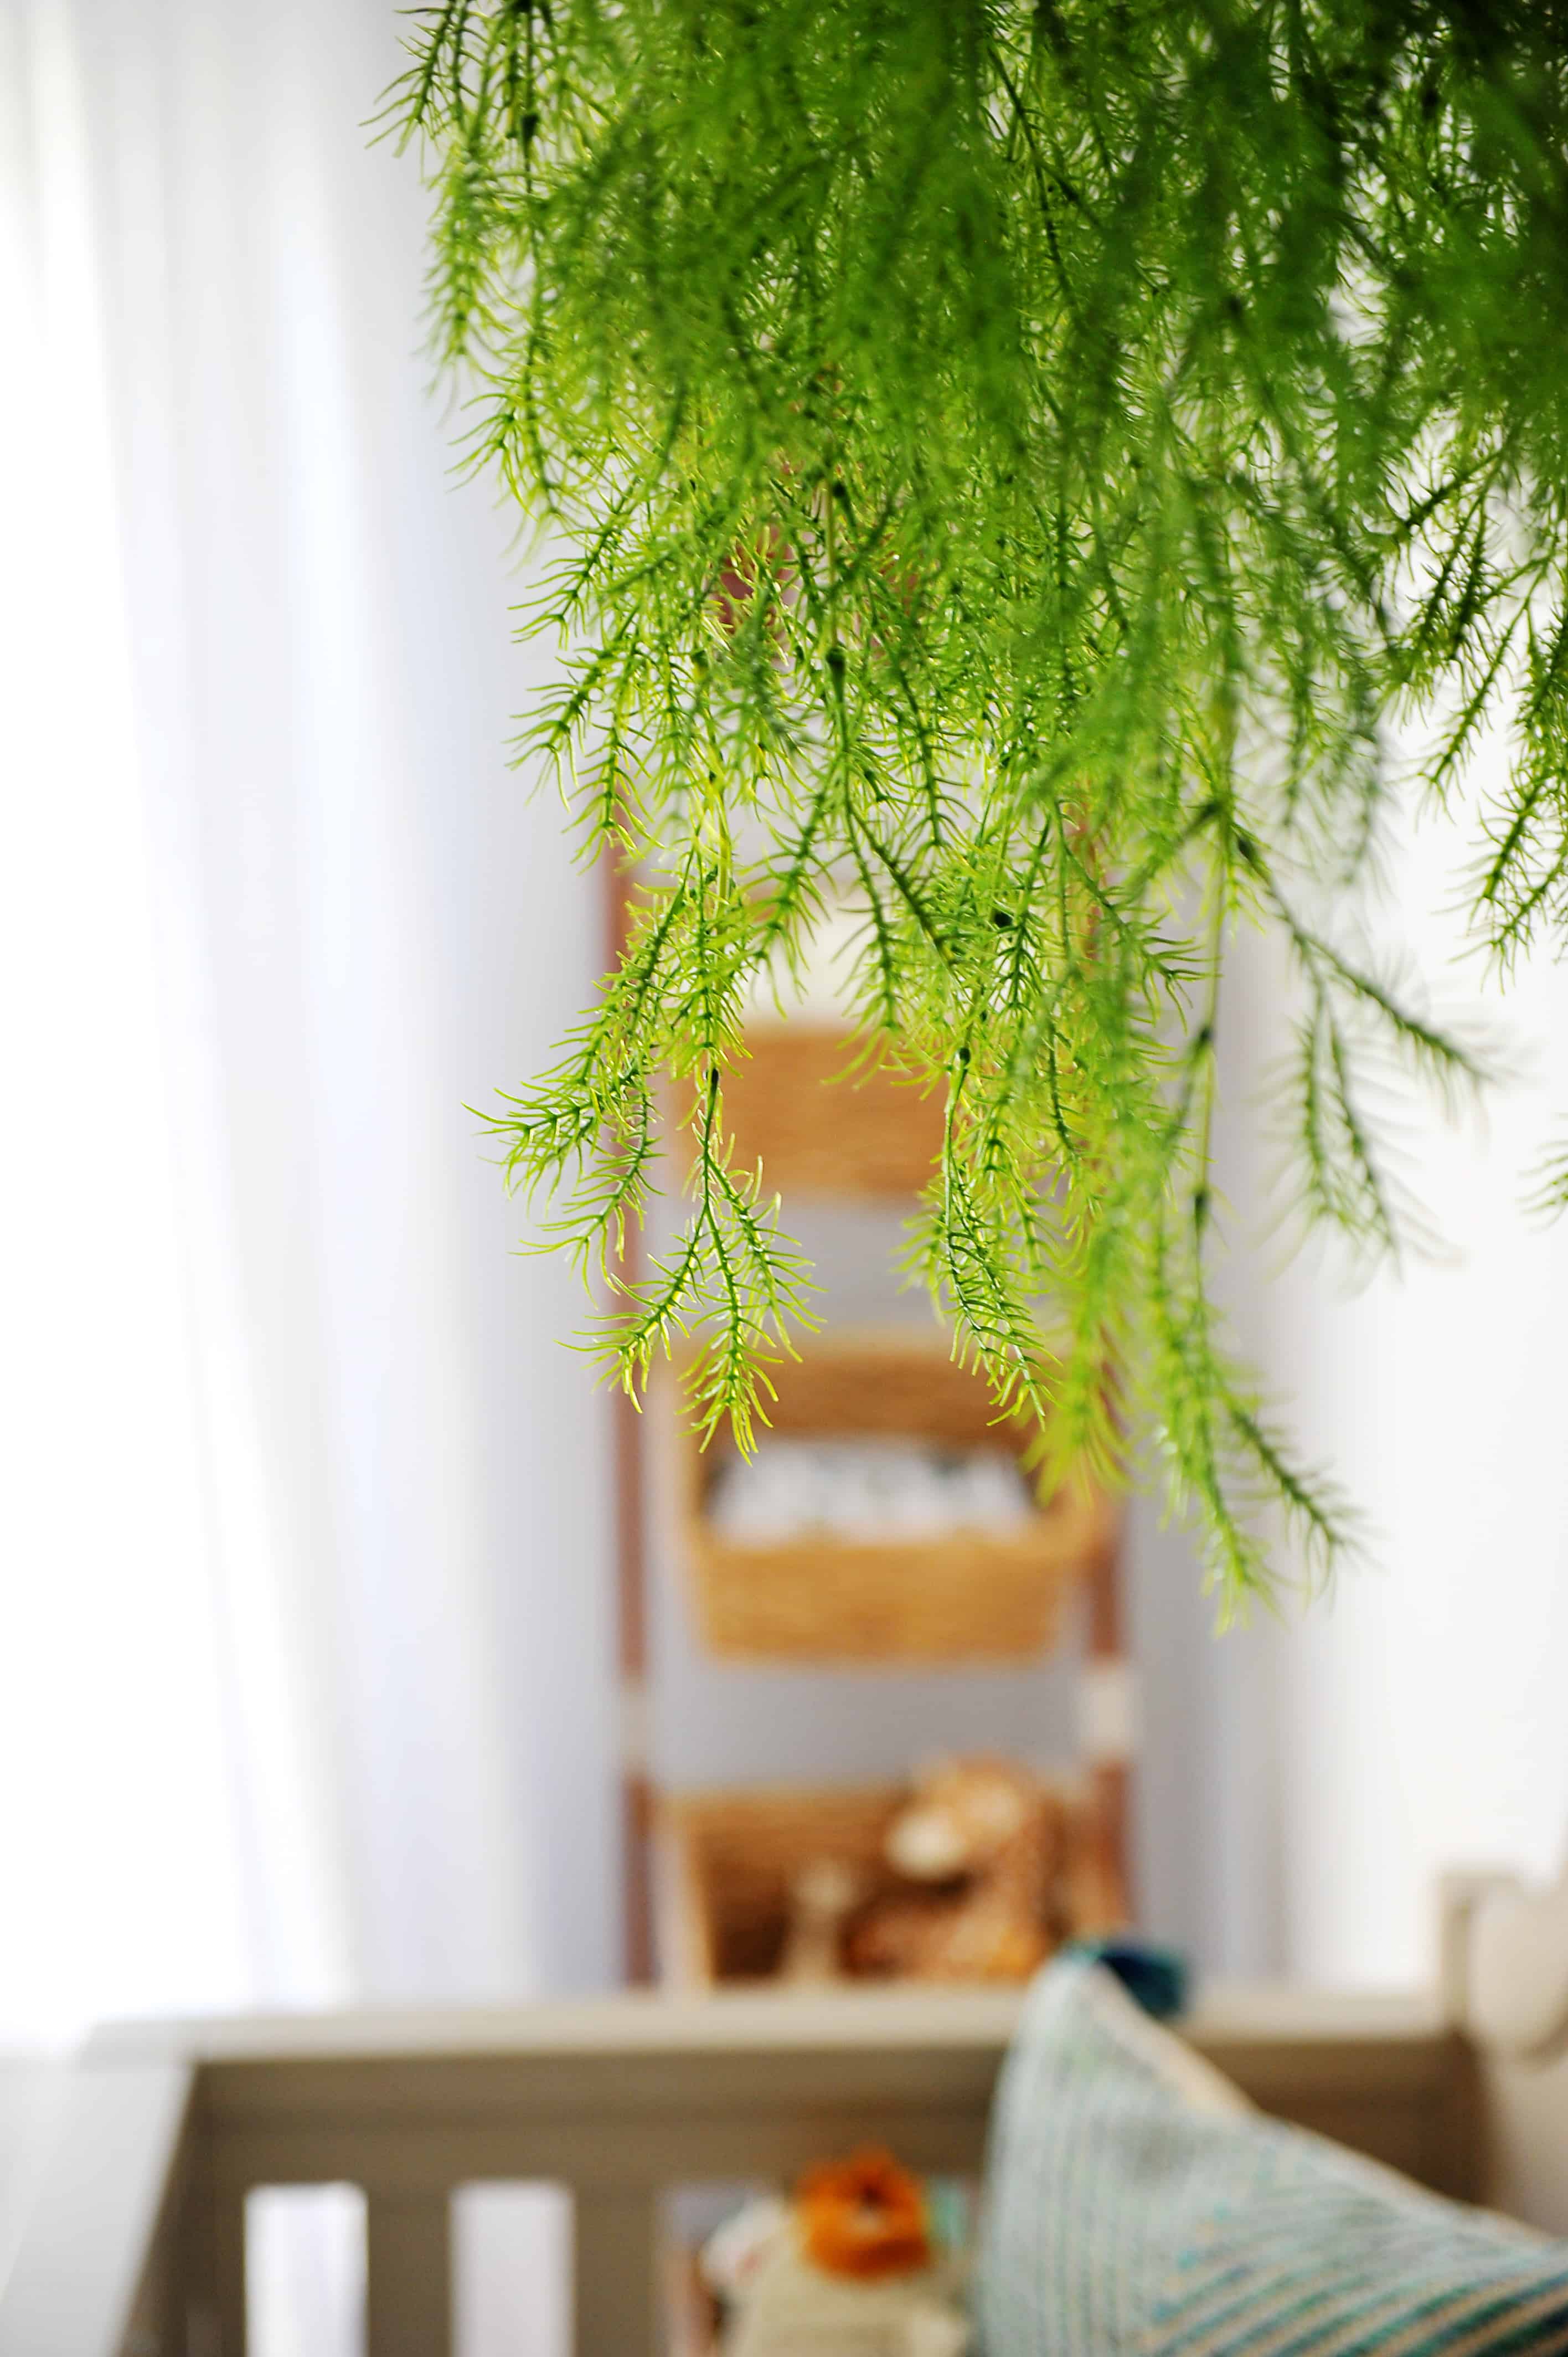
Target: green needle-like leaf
[1010,462]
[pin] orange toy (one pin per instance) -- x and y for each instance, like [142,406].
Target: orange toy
[864,2216]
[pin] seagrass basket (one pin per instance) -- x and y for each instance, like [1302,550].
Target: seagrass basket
[967,1595]
[822,1124]
[727,1861]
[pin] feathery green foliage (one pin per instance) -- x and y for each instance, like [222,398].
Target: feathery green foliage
[1012,462]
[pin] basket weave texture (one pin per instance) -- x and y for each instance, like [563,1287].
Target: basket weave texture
[821,1128]
[728,1859]
[966,1596]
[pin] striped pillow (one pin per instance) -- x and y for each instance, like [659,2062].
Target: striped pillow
[1138,2207]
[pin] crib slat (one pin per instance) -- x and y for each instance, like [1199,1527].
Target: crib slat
[618,2306]
[408,2288]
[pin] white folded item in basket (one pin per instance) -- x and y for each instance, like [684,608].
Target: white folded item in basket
[867,1490]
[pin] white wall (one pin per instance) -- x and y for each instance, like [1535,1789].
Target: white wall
[1418,1717]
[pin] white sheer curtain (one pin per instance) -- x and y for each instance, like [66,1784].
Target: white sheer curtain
[303,1653]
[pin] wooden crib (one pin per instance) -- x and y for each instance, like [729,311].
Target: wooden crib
[136,2244]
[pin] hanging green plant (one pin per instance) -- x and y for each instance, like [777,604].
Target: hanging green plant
[1010,463]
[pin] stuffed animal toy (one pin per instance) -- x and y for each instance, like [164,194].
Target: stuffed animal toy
[986,1838]
[864,2216]
[865,2258]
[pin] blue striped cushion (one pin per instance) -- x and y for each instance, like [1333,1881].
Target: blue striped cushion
[1137,2207]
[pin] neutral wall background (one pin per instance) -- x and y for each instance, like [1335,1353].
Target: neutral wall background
[1415,1718]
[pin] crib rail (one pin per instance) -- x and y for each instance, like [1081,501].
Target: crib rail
[619,2100]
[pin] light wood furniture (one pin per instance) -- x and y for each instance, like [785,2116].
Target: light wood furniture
[630,1556]
[136,2244]
[825,1122]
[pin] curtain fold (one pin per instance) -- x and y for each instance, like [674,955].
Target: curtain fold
[306,1671]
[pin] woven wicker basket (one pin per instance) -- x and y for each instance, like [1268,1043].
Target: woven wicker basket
[967,1595]
[820,1129]
[727,1859]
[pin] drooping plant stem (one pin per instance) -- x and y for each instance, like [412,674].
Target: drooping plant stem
[1010,465]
